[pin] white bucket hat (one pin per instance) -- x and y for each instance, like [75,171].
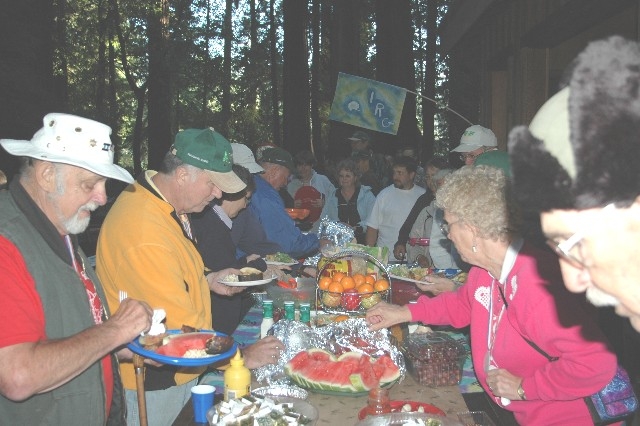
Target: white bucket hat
[243,156]
[73,140]
[475,137]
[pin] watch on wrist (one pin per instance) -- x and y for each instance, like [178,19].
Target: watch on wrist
[521,393]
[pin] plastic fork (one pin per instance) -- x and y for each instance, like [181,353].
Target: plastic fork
[122,295]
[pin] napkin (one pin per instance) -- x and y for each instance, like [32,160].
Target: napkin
[157,326]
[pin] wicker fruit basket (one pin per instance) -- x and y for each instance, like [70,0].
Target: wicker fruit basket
[351,302]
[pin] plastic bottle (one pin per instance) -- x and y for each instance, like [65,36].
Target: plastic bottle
[237,378]
[289,310]
[267,317]
[305,313]
[379,402]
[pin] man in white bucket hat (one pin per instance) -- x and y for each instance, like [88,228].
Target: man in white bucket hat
[58,338]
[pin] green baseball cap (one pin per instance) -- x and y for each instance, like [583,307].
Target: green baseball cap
[497,159]
[279,156]
[208,150]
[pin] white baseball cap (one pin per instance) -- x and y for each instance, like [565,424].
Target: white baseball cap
[475,137]
[243,156]
[73,140]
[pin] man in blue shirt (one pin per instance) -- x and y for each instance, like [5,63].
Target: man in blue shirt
[268,207]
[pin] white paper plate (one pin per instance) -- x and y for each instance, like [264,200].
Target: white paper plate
[398,277]
[247,283]
[269,262]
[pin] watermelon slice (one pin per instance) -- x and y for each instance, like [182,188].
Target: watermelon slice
[321,355]
[177,345]
[339,378]
[391,372]
[297,361]
[365,377]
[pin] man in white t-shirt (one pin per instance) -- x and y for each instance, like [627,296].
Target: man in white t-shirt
[393,204]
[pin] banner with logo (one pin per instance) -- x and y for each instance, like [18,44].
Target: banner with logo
[367,103]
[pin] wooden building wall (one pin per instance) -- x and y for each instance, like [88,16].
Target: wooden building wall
[513,56]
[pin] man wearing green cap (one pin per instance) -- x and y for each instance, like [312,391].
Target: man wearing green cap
[268,206]
[146,248]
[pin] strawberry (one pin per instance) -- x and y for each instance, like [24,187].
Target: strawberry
[351,299]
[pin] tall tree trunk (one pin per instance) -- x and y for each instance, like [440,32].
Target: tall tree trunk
[316,125]
[394,65]
[227,33]
[101,66]
[344,44]
[296,75]
[207,64]
[138,131]
[429,82]
[159,102]
[139,92]
[61,70]
[253,55]
[113,116]
[26,74]
[275,96]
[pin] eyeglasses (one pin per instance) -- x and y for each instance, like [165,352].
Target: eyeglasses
[564,249]
[466,156]
[569,248]
[445,227]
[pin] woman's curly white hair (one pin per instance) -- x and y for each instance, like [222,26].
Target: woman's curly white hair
[480,196]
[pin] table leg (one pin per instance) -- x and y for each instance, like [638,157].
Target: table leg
[138,365]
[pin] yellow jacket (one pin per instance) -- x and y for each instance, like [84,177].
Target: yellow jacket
[142,249]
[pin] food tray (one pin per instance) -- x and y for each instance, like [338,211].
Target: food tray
[394,419]
[396,406]
[434,359]
[281,391]
[337,308]
[137,348]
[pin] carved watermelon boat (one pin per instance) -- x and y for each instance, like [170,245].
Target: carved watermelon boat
[352,373]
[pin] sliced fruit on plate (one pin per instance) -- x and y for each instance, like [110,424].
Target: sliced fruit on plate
[178,344]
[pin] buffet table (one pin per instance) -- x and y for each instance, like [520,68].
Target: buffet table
[344,410]
[334,409]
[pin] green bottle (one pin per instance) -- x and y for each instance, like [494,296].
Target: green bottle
[289,310]
[305,313]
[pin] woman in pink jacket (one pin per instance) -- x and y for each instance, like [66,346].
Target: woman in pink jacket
[514,293]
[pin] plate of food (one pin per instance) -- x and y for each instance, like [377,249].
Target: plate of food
[408,407]
[280,259]
[174,347]
[246,278]
[414,274]
[256,409]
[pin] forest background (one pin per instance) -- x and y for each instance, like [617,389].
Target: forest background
[258,71]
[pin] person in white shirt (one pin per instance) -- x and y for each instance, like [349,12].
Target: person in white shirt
[393,205]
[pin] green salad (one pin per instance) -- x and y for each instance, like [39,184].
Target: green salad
[280,257]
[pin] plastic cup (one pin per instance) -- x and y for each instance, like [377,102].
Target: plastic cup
[202,400]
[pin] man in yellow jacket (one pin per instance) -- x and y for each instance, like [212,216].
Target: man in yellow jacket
[146,248]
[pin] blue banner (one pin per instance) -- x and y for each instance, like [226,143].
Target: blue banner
[367,103]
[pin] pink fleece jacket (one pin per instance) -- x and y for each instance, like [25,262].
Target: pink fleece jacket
[543,311]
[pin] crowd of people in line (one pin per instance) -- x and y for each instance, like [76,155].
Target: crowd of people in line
[213,207]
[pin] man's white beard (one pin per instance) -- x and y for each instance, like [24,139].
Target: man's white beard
[75,225]
[598,297]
